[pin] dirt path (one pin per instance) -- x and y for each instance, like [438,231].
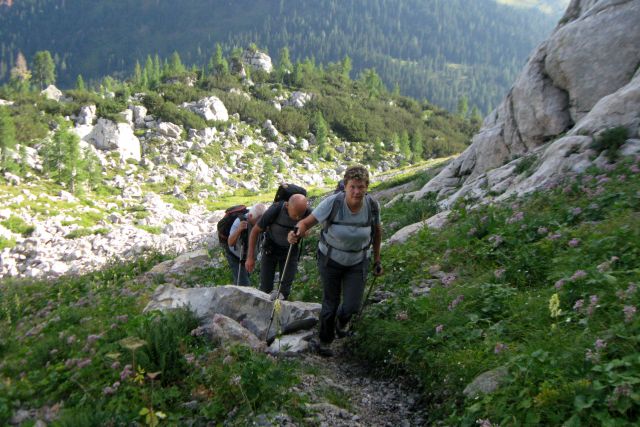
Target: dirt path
[347,395]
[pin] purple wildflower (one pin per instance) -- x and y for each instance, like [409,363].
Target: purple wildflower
[592,356]
[93,338]
[554,236]
[622,178]
[600,344]
[472,232]
[559,284]
[190,358]
[574,243]
[439,328]
[115,365]
[126,372]
[578,305]
[576,211]
[70,363]
[580,274]
[517,217]
[71,339]
[499,348]
[499,273]
[593,303]
[629,312]
[84,363]
[543,230]
[496,240]
[455,302]
[634,169]
[448,279]
[108,391]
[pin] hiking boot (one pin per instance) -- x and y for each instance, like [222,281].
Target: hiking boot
[342,330]
[324,349]
[275,295]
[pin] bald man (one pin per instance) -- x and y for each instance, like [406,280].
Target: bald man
[278,221]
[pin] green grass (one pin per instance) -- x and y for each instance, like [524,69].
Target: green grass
[579,244]
[18,226]
[85,330]
[82,232]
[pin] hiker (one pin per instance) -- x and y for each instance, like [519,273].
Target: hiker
[351,225]
[236,249]
[277,222]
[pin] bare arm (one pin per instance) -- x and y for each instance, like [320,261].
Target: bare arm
[236,234]
[303,226]
[250,263]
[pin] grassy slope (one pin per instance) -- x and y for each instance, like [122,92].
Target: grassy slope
[61,342]
[578,245]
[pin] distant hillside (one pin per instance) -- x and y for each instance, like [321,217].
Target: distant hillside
[440,50]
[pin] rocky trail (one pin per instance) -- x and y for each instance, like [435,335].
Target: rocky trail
[347,393]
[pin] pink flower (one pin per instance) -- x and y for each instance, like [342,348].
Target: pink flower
[554,236]
[439,328]
[622,178]
[455,302]
[496,239]
[593,304]
[126,372]
[71,339]
[559,284]
[115,365]
[634,169]
[600,344]
[448,279]
[543,230]
[499,273]
[93,338]
[578,305]
[574,243]
[83,363]
[499,348]
[629,313]
[517,217]
[580,274]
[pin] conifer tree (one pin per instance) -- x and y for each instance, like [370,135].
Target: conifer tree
[175,64]
[463,107]
[322,132]
[405,145]
[44,69]
[266,179]
[218,64]
[7,139]
[20,74]
[80,82]
[284,66]
[416,146]
[346,68]
[137,74]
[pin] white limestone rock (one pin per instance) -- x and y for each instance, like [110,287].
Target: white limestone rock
[107,135]
[257,60]
[211,108]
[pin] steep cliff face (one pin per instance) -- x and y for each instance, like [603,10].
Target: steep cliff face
[584,79]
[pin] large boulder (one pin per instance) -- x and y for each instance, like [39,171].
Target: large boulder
[52,92]
[248,306]
[257,60]
[574,84]
[210,108]
[87,115]
[108,135]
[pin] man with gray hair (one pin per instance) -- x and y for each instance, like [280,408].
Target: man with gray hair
[238,243]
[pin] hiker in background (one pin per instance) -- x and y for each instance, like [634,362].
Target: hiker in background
[351,225]
[237,247]
[277,222]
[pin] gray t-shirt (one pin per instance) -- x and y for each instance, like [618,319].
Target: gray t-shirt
[347,237]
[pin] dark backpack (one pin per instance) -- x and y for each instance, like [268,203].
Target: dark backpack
[285,191]
[224,225]
[337,205]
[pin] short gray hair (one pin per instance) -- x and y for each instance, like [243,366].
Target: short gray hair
[257,210]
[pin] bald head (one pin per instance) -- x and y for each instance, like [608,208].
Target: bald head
[297,206]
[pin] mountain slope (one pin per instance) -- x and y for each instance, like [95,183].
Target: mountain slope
[439,50]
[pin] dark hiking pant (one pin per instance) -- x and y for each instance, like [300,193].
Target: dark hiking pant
[234,264]
[274,260]
[338,281]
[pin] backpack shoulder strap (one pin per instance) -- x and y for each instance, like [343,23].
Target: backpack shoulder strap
[335,208]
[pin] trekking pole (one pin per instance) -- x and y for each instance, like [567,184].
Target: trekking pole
[364,302]
[239,265]
[284,271]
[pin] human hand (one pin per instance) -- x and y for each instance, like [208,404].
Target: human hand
[243,225]
[250,264]
[377,269]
